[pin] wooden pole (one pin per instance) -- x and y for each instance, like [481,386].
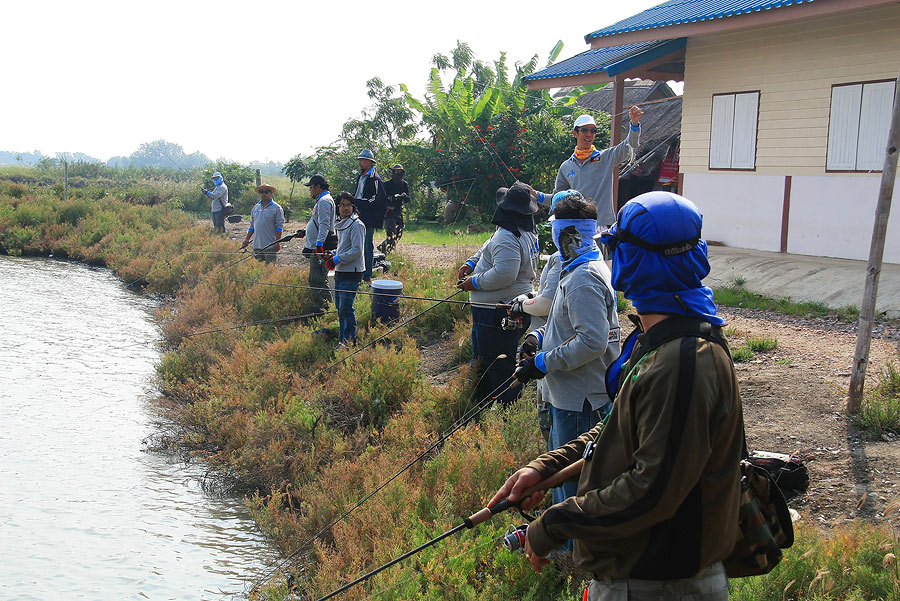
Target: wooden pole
[616,134]
[258,179]
[876,252]
[66,167]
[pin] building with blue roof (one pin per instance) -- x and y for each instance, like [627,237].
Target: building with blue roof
[784,117]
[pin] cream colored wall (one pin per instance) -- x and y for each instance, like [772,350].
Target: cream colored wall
[793,66]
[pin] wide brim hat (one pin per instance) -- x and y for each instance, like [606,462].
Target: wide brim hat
[262,187]
[517,198]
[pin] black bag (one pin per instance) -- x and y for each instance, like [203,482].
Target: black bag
[228,209]
[788,472]
[331,241]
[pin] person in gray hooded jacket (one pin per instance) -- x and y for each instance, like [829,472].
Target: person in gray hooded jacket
[349,265]
[581,337]
[503,269]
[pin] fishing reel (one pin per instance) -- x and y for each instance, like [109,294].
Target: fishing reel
[513,322]
[514,539]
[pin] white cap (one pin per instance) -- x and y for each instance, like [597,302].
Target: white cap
[583,120]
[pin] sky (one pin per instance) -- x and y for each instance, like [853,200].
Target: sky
[247,81]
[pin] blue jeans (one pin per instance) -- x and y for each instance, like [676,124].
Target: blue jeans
[344,296]
[218,220]
[564,427]
[368,252]
[489,341]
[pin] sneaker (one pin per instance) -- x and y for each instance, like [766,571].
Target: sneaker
[342,346]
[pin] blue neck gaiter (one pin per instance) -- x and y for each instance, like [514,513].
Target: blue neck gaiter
[575,240]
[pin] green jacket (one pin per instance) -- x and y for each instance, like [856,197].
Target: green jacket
[658,498]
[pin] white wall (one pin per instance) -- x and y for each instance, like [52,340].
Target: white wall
[833,216]
[739,208]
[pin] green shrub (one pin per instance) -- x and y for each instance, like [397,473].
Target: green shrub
[742,354]
[879,411]
[761,345]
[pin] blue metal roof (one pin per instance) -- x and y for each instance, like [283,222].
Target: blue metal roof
[612,61]
[680,12]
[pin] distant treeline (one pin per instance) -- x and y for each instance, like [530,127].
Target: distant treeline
[157,154]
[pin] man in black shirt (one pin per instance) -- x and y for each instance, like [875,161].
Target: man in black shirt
[397,194]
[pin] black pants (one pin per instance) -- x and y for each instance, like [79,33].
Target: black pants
[489,341]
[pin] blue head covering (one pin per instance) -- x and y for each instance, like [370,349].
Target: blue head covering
[659,258]
[217,178]
[574,238]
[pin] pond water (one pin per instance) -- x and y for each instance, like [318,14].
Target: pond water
[85,513]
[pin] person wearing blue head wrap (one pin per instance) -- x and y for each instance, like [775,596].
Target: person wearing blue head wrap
[218,198]
[659,258]
[657,506]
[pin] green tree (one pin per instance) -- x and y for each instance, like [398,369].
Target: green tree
[296,169]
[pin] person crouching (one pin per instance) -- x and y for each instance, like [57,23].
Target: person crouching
[348,265]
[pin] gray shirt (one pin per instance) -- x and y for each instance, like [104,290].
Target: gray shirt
[351,234]
[264,222]
[584,307]
[593,177]
[504,267]
[547,285]
[321,222]
[219,197]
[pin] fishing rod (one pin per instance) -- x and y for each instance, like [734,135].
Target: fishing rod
[386,294]
[466,418]
[479,517]
[260,322]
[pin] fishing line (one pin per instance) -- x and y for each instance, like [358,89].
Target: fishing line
[461,422]
[248,324]
[394,329]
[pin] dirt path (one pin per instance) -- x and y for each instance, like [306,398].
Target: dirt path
[793,397]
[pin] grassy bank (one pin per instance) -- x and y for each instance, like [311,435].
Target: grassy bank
[267,408]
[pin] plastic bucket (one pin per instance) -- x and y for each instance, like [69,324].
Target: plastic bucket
[385,304]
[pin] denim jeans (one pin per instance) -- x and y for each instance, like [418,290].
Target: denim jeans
[489,341]
[344,296]
[218,221]
[368,252]
[564,427]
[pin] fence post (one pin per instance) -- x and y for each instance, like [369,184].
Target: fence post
[258,179]
[66,167]
[876,253]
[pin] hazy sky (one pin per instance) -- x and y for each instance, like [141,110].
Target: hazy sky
[260,80]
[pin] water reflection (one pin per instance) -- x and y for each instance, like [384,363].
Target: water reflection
[84,514]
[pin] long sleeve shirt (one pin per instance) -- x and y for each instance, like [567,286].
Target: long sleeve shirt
[218,198]
[351,234]
[504,267]
[265,220]
[321,222]
[580,339]
[594,176]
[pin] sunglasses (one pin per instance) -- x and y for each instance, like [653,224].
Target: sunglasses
[265,191]
[588,130]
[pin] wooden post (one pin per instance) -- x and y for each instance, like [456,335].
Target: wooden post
[66,168]
[876,252]
[258,179]
[616,133]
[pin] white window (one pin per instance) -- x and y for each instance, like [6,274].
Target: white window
[732,138]
[858,126]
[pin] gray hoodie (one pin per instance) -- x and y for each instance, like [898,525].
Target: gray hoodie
[504,267]
[321,222]
[584,307]
[351,233]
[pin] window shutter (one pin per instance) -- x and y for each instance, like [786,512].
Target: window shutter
[743,150]
[843,128]
[721,134]
[874,122]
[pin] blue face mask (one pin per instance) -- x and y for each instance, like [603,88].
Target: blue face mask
[575,240]
[217,181]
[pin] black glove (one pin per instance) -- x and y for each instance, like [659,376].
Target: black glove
[529,347]
[301,233]
[527,370]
